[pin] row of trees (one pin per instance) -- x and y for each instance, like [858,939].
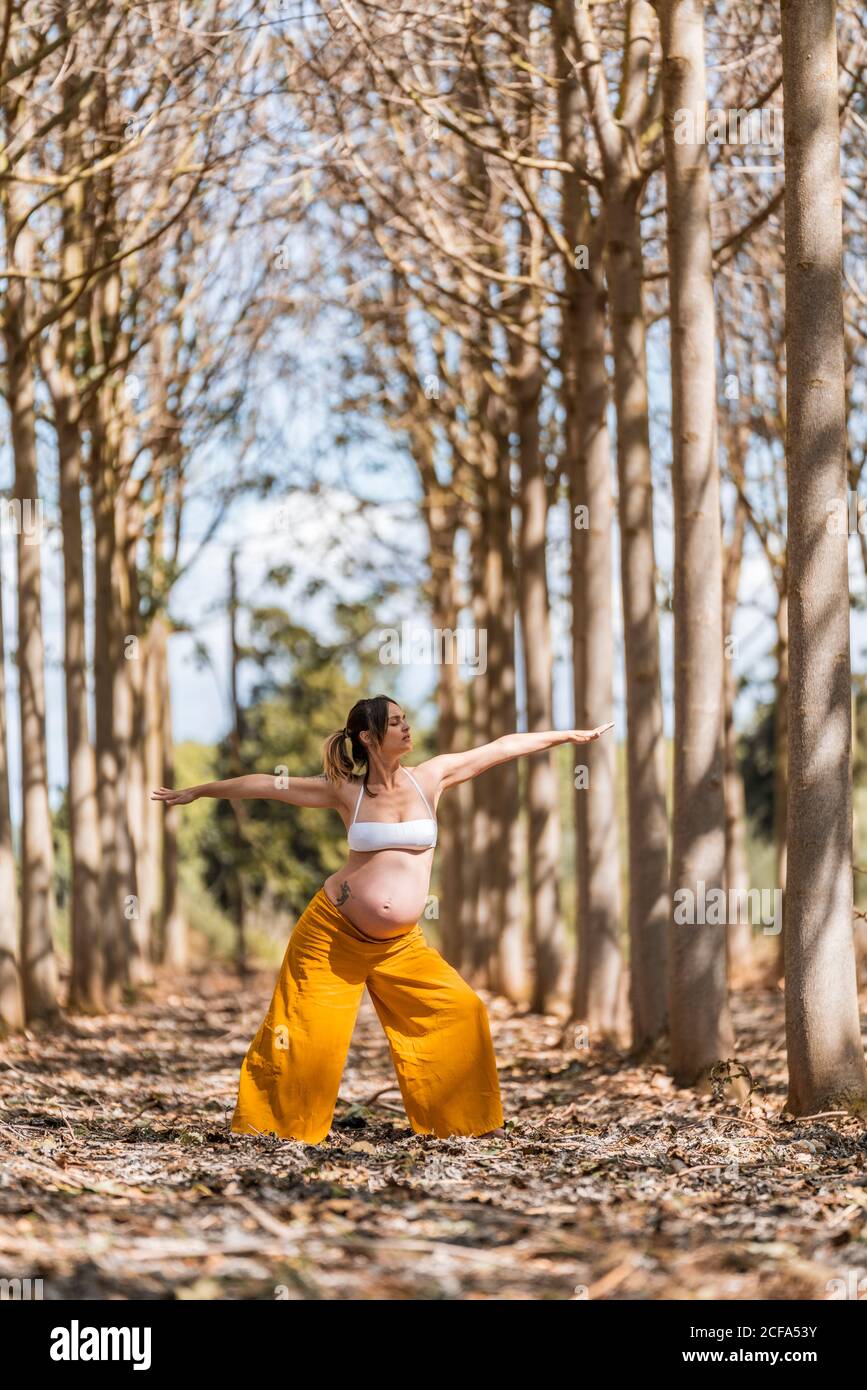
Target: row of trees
[514,193]
[131,319]
[506,208]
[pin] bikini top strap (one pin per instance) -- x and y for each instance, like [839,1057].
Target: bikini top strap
[358,803]
[420,792]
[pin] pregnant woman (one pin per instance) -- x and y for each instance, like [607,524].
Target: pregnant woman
[362,929]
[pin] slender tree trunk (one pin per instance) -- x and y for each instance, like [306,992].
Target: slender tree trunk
[823,1035]
[619,138]
[649,901]
[509,967]
[781,754]
[38,961]
[124,654]
[11,984]
[597,994]
[701,1029]
[131,743]
[599,997]
[477,925]
[39,965]
[444,611]
[172,948]
[106,635]
[236,739]
[441,514]
[86,992]
[175,938]
[739,936]
[59,367]
[152,811]
[552,964]
[543,846]
[100,411]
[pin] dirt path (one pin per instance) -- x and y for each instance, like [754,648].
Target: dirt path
[120,1178]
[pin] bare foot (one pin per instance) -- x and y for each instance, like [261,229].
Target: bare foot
[498,1133]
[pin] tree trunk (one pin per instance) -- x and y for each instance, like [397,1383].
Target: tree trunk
[781,754]
[235,742]
[123,654]
[39,964]
[739,936]
[131,743]
[175,939]
[440,511]
[477,923]
[701,1029]
[85,991]
[620,136]
[645,743]
[543,848]
[59,361]
[588,466]
[823,1035]
[106,636]
[172,948]
[552,967]
[11,985]
[509,966]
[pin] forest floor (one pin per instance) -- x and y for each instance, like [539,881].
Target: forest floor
[120,1178]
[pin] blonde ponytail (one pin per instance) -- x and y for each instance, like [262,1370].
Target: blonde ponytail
[337,760]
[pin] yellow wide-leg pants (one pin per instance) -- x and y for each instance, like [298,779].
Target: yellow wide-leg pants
[436,1025]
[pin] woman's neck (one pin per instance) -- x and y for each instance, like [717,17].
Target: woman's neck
[385,774]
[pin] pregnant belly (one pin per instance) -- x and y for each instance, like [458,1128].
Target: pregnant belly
[384,893]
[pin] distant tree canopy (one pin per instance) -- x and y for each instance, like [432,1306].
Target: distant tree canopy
[301,695]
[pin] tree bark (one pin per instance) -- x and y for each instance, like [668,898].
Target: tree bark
[59,368]
[509,964]
[478,924]
[739,936]
[622,193]
[700,1025]
[823,1036]
[11,984]
[597,995]
[781,751]
[38,961]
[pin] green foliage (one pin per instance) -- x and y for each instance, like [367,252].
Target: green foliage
[756,759]
[301,695]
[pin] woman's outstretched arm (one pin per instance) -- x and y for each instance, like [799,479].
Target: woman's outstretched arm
[451,768]
[275,786]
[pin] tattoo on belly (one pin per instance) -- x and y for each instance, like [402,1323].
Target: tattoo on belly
[344,893]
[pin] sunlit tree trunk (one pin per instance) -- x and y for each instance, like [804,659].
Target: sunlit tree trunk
[781,749]
[588,466]
[38,961]
[622,193]
[131,744]
[11,988]
[59,368]
[739,936]
[823,1035]
[700,1025]
[509,975]
[477,925]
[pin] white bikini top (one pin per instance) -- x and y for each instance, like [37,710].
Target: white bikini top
[402,834]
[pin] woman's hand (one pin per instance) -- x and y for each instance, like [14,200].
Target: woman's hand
[588,735]
[175,798]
